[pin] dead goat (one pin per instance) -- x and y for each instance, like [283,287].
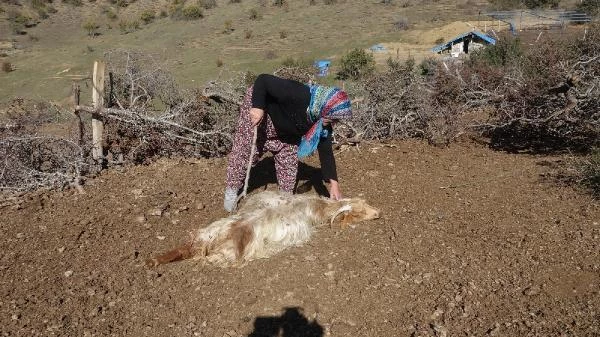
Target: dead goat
[267,223]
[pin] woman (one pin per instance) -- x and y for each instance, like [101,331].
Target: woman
[294,120]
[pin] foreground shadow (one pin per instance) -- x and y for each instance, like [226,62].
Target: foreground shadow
[292,323]
[309,177]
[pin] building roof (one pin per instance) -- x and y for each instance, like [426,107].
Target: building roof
[449,44]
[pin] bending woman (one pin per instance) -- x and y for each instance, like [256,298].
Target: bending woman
[294,120]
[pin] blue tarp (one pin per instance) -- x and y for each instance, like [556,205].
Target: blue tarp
[323,66]
[378,48]
[449,44]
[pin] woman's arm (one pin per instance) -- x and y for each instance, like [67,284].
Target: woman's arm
[328,166]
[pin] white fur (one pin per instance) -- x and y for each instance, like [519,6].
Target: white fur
[266,224]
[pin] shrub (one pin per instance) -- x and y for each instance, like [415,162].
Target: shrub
[129,26]
[7,67]
[235,1]
[590,172]
[591,7]
[176,9]
[219,63]
[228,27]
[402,24]
[541,3]
[329,2]
[255,14]
[355,65]
[192,12]
[505,51]
[38,4]
[73,2]
[148,16]
[91,27]
[248,34]
[291,62]
[207,4]
[111,15]
[283,34]
[279,2]
[505,4]
[312,2]
[19,21]
[42,14]
[428,67]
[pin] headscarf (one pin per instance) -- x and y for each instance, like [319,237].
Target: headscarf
[327,102]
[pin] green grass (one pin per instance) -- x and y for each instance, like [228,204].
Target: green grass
[190,49]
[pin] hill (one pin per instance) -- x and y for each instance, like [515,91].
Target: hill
[58,49]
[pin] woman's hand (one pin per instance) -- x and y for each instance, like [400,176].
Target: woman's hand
[334,190]
[256,115]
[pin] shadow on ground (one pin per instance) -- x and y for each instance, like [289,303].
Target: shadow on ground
[292,323]
[309,177]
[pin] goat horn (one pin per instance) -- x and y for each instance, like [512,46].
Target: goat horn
[338,212]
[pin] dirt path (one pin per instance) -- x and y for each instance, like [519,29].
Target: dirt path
[472,243]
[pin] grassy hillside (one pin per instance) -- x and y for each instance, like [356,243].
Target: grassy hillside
[58,49]
[252,35]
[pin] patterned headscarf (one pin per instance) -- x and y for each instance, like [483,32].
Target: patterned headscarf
[327,102]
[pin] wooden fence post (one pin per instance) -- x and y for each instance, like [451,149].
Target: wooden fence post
[98,101]
[76,100]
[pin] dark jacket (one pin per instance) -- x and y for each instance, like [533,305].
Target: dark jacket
[286,101]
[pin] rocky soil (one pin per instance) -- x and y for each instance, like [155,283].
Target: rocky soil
[472,243]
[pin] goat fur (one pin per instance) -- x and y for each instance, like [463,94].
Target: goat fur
[267,223]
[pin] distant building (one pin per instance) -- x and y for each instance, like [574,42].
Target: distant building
[464,44]
[323,67]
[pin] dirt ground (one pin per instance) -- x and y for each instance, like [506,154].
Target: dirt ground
[472,243]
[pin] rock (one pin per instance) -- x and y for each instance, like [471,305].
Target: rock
[140,218]
[200,206]
[156,212]
[61,249]
[436,314]
[440,331]
[531,291]
[137,193]
[310,258]
[494,331]
[160,237]
[68,273]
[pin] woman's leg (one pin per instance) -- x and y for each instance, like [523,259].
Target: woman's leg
[286,167]
[286,164]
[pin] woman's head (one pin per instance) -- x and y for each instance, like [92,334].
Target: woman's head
[328,102]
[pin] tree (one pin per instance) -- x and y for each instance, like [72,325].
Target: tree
[356,64]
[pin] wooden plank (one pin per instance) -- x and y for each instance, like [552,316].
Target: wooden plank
[98,101]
